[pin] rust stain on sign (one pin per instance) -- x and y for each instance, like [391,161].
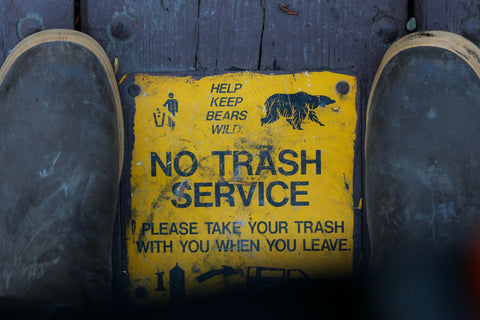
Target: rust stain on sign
[285,9]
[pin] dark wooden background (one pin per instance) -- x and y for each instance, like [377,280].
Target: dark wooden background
[225,35]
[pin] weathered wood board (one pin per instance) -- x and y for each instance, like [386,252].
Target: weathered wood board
[461,17]
[19,19]
[145,36]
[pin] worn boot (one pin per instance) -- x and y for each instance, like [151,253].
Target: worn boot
[61,153]
[422,173]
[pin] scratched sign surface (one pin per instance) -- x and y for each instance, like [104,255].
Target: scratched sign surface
[240,180]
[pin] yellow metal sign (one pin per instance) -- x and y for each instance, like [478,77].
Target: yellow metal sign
[240,180]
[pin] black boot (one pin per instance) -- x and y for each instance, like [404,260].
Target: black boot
[422,173]
[61,153]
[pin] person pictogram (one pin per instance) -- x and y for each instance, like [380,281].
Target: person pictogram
[172,106]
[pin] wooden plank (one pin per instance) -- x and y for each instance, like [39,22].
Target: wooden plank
[430,15]
[162,36]
[22,18]
[461,17]
[229,35]
[144,35]
[331,34]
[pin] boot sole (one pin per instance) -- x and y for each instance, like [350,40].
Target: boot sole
[66,35]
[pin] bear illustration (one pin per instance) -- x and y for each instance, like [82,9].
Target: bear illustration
[294,108]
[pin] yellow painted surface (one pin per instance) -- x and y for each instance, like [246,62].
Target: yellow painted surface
[222,228]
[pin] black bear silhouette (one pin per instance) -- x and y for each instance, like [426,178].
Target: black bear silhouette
[294,108]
